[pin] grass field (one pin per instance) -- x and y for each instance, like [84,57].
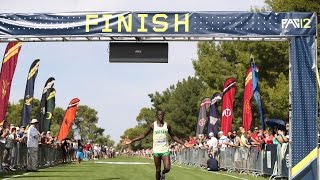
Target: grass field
[100,170]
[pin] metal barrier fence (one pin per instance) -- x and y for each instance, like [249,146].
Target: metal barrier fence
[268,161]
[15,158]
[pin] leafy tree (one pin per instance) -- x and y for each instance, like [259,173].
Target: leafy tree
[292,5]
[106,140]
[57,116]
[183,106]
[134,132]
[180,103]
[146,116]
[86,121]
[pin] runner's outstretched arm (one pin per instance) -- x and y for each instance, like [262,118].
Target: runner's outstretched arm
[146,133]
[175,138]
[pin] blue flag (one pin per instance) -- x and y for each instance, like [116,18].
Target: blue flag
[213,114]
[256,94]
[28,95]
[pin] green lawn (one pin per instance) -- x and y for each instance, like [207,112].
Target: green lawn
[99,171]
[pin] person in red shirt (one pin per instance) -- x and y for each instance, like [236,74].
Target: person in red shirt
[268,137]
[255,137]
[87,149]
[191,140]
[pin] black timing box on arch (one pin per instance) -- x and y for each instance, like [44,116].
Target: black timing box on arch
[298,28]
[138,52]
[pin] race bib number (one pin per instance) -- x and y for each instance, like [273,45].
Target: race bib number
[161,142]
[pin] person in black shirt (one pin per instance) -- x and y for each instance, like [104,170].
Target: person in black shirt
[65,150]
[212,163]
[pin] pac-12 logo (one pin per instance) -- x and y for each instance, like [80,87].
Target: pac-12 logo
[296,23]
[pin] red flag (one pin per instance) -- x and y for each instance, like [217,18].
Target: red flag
[68,119]
[229,92]
[8,67]
[247,113]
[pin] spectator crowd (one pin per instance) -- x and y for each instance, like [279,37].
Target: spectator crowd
[241,139]
[23,146]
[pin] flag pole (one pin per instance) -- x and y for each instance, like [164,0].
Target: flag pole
[251,56]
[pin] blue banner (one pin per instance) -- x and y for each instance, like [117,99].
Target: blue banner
[86,24]
[213,114]
[29,92]
[304,109]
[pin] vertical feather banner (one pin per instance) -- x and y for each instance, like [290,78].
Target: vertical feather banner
[8,67]
[213,114]
[43,102]
[202,118]
[247,112]
[68,119]
[50,105]
[29,92]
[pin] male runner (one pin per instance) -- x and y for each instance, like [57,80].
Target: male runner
[160,144]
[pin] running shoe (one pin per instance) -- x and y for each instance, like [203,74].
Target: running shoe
[163,176]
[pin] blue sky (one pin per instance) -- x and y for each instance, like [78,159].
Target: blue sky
[82,69]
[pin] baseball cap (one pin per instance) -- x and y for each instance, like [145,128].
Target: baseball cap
[211,134]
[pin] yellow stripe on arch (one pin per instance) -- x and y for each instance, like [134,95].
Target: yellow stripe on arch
[304,162]
[318,78]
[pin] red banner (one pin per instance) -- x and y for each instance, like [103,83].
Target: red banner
[229,92]
[68,119]
[8,67]
[247,113]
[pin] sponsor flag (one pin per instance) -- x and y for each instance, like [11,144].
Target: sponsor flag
[29,92]
[8,67]
[247,112]
[43,102]
[50,105]
[213,114]
[68,119]
[202,118]
[251,89]
[228,94]
[256,94]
